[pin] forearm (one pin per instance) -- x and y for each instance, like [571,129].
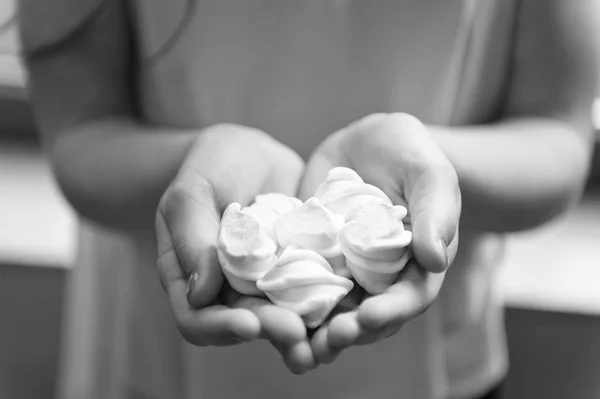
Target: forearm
[515,174]
[114,171]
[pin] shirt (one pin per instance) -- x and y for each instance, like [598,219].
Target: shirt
[299,70]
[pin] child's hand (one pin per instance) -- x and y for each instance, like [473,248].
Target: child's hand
[395,153]
[228,163]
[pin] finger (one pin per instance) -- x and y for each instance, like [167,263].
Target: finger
[351,301]
[410,164]
[169,271]
[347,331]
[219,326]
[299,358]
[368,337]
[435,206]
[414,292]
[344,331]
[323,351]
[188,223]
[215,325]
[283,328]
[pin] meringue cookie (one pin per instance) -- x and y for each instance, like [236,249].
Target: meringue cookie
[279,203]
[344,192]
[245,250]
[264,216]
[303,282]
[376,246]
[314,227]
[268,207]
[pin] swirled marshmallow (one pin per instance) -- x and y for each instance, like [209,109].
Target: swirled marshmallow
[314,227]
[344,192]
[303,282]
[245,250]
[268,207]
[376,246]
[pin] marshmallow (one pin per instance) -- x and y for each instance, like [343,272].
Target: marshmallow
[344,192]
[314,227]
[375,244]
[268,207]
[245,250]
[303,282]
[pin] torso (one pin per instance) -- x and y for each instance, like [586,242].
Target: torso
[299,70]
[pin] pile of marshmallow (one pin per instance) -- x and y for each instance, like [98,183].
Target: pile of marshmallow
[302,256]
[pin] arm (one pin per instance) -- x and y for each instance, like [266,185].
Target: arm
[532,165]
[112,168]
[124,174]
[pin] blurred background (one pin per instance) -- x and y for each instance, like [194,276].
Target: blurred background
[550,280]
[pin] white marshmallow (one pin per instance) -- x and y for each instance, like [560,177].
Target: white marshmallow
[268,207]
[245,250]
[314,227]
[376,246]
[303,282]
[344,192]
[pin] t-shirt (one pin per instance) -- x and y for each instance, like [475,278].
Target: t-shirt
[299,70]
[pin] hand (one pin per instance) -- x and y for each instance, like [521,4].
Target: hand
[395,153]
[228,163]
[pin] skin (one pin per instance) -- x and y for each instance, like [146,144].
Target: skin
[124,174]
[421,177]
[514,174]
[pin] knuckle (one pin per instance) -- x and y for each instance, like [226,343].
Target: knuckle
[189,186]
[214,136]
[223,126]
[218,129]
[402,117]
[188,334]
[214,133]
[376,118]
[183,252]
[369,125]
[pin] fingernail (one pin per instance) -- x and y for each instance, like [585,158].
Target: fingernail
[445,252]
[192,281]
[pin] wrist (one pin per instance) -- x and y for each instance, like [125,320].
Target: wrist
[113,171]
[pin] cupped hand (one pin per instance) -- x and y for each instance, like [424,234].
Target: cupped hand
[227,163]
[395,153]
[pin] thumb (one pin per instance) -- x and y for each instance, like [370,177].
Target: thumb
[286,174]
[316,171]
[187,225]
[328,155]
[435,206]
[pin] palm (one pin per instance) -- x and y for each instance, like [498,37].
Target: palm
[207,310]
[394,153]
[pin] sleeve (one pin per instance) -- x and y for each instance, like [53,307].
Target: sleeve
[46,23]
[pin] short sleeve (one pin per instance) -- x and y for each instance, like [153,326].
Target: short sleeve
[44,23]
